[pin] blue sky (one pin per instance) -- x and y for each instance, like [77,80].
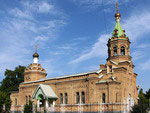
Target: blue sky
[72,34]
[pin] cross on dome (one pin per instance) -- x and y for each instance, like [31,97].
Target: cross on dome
[118,31]
[35,55]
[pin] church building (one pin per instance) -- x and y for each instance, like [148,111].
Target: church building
[112,88]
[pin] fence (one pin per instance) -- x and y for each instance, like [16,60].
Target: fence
[78,108]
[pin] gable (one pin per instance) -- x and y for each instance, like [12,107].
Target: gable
[45,92]
[38,94]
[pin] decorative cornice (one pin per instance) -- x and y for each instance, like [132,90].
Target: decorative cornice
[35,67]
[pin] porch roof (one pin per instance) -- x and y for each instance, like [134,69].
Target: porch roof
[46,91]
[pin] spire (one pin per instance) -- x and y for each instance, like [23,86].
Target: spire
[118,31]
[117,8]
[35,55]
[117,15]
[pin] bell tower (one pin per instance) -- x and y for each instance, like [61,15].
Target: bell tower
[119,67]
[118,44]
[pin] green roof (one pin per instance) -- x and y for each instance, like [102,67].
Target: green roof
[120,31]
[119,28]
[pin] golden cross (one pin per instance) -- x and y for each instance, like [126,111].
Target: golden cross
[117,7]
[36,47]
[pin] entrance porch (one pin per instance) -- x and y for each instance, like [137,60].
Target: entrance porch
[45,98]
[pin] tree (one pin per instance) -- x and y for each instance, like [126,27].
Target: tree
[10,83]
[147,95]
[139,108]
[143,102]
[4,100]
[142,97]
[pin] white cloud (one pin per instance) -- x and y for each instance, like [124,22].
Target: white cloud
[135,25]
[143,45]
[41,38]
[137,55]
[22,29]
[40,6]
[47,65]
[98,49]
[52,24]
[96,3]
[21,25]
[145,65]
[93,2]
[45,7]
[21,14]
[14,52]
[80,39]
[66,47]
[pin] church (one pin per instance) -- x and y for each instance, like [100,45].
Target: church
[112,88]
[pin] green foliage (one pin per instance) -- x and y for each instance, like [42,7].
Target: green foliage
[143,102]
[4,100]
[28,107]
[12,79]
[139,108]
[10,83]
[147,95]
[142,97]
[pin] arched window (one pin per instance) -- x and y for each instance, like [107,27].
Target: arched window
[116,97]
[110,68]
[29,98]
[26,99]
[66,98]
[103,98]
[15,101]
[115,51]
[122,50]
[77,98]
[83,98]
[61,98]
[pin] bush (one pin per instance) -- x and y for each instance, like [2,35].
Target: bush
[143,102]
[28,107]
[139,108]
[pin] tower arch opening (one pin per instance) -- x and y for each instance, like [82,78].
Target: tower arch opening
[115,51]
[122,50]
[103,98]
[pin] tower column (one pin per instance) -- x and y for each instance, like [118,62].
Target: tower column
[38,103]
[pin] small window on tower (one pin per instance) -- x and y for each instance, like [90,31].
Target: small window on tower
[103,98]
[122,51]
[110,68]
[115,51]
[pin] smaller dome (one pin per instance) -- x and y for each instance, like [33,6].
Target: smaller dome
[117,15]
[35,55]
